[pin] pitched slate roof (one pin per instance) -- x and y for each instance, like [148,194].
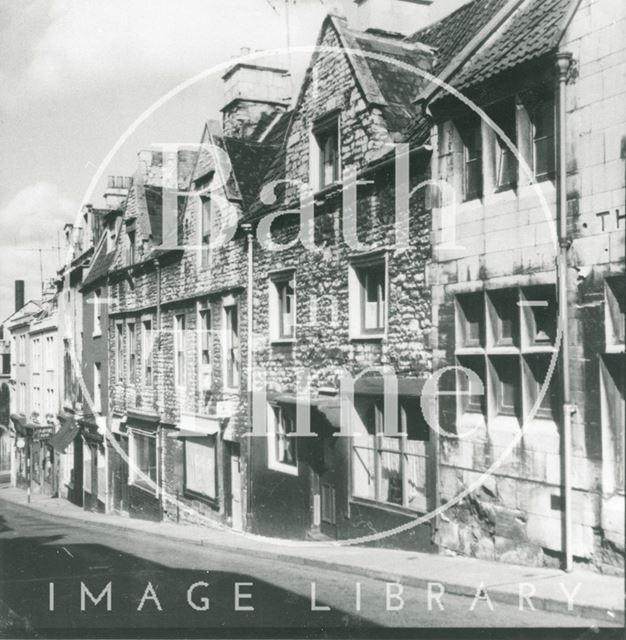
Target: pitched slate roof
[531,32]
[100,265]
[450,34]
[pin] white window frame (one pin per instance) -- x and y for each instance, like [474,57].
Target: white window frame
[97,318]
[97,387]
[134,478]
[227,341]
[356,293]
[132,351]
[273,429]
[119,351]
[197,492]
[147,346]
[205,370]
[319,128]
[275,306]
[180,369]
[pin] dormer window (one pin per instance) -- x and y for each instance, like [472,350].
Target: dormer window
[505,161]
[205,230]
[543,138]
[130,248]
[326,135]
[472,160]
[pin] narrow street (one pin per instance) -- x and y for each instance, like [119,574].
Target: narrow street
[37,549]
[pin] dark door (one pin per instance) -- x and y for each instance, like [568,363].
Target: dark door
[119,476]
[328,516]
[77,473]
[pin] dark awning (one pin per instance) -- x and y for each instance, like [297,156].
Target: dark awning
[20,423]
[65,435]
[408,387]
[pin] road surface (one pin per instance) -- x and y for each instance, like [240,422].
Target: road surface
[162,588]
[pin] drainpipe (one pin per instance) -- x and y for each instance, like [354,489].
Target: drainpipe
[563,63]
[247,228]
[160,399]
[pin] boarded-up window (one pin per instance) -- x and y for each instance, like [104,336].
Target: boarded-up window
[201,466]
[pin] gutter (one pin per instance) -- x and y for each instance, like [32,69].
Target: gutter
[247,228]
[563,63]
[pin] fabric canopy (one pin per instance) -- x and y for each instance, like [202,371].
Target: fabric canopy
[65,435]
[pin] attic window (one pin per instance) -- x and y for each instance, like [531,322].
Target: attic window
[326,134]
[472,160]
[505,162]
[543,138]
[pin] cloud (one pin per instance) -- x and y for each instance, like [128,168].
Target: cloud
[30,222]
[87,44]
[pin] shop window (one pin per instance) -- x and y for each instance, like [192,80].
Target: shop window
[389,469]
[201,466]
[282,453]
[282,292]
[143,468]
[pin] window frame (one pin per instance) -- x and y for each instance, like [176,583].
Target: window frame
[231,346]
[205,339]
[133,476]
[278,281]
[473,128]
[358,274]
[376,404]
[119,351]
[327,128]
[147,347]
[206,216]
[97,314]
[180,356]
[277,434]
[97,387]
[197,493]
[131,330]
[547,103]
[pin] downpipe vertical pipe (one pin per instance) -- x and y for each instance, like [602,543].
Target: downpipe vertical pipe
[160,391]
[248,230]
[563,63]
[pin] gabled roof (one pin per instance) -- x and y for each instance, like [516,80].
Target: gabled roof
[100,265]
[485,38]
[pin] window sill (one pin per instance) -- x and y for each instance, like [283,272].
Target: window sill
[195,495]
[96,334]
[282,341]
[281,467]
[469,351]
[386,506]
[368,337]
[537,348]
[322,192]
[615,348]
[145,489]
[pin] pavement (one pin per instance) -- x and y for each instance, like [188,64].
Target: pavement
[580,593]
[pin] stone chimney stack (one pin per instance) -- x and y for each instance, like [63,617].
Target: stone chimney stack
[253,92]
[19,294]
[399,17]
[116,192]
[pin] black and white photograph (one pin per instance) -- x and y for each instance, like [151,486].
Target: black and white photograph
[312,318]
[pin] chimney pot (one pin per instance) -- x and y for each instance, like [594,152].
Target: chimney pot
[19,294]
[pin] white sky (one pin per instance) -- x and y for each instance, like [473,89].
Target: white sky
[74,74]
